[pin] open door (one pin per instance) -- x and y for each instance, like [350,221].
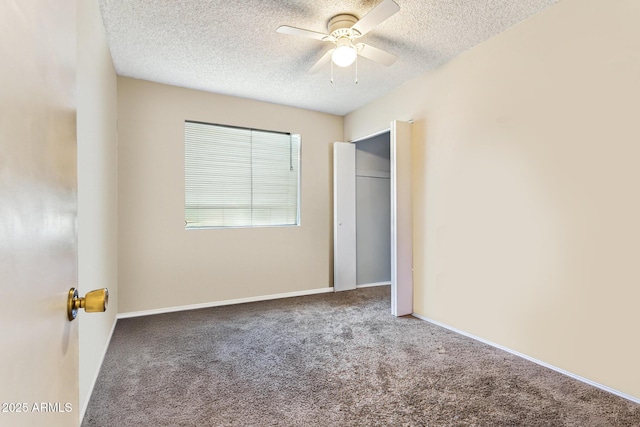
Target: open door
[401,220]
[344,191]
[38,244]
[344,216]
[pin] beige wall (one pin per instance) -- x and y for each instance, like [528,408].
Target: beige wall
[97,189]
[526,207]
[163,265]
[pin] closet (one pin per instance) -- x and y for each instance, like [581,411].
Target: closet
[372,226]
[373,211]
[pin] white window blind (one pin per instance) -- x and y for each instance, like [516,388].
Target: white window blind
[238,177]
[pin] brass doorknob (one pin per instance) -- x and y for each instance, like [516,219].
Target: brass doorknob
[94,302]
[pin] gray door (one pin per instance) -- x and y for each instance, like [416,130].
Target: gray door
[38,260]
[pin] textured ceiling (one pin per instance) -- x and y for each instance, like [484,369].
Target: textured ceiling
[231,47]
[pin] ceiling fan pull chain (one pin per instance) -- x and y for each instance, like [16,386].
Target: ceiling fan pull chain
[331,71]
[356,69]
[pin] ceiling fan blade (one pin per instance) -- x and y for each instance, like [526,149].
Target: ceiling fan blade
[292,31]
[325,58]
[376,16]
[377,55]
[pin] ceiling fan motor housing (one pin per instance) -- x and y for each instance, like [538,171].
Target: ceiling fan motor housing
[340,26]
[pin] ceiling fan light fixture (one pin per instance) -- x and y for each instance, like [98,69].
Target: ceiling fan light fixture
[344,54]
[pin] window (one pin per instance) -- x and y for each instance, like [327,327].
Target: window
[238,177]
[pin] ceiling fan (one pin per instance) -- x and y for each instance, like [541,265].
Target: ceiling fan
[344,30]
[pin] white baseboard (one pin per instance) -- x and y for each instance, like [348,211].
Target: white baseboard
[85,405]
[531,359]
[369,285]
[224,302]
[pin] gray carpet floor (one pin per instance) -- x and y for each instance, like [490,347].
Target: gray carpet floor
[328,360]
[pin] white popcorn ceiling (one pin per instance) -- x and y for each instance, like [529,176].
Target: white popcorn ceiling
[231,47]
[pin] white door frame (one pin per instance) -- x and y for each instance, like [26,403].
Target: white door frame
[401,218]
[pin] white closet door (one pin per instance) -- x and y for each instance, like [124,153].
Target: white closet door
[344,216]
[401,220]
